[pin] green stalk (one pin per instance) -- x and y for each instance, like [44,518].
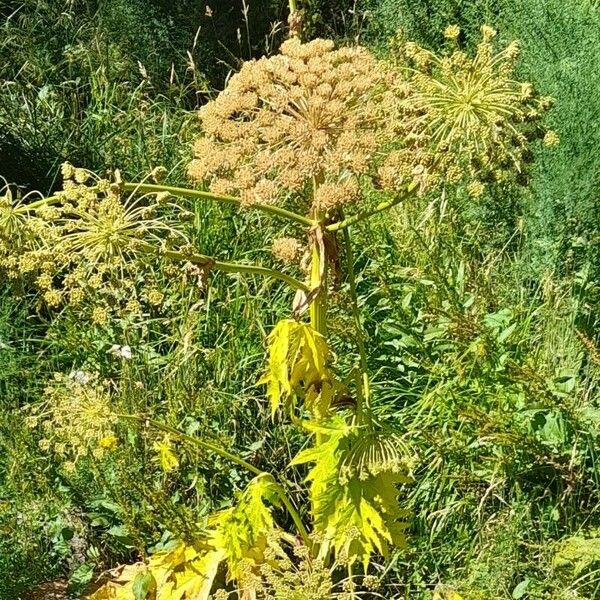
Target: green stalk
[49,201]
[194,441]
[318,307]
[150,188]
[318,276]
[230,267]
[233,458]
[293,6]
[382,206]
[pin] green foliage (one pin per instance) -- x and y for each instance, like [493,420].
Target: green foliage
[104,83]
[496,390]
[560,51]
[488,368]
[576,560]
[355,509]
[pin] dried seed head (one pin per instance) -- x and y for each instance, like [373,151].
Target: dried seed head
[331,196]
[309,112]
[287,249]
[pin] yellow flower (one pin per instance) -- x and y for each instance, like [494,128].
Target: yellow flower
[452,32]
[52,298]
[100,315]
[109,442]
[476,116]
[165,456]
[551,138]
[155,297]
[475,189]
[76,417]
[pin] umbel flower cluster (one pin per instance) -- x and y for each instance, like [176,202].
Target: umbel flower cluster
[309,114]
[76,418]
[88,245]
[313,121]
[475,121]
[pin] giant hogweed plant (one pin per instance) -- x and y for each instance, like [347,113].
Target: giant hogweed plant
[324,138]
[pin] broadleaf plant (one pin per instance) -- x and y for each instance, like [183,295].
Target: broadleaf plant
[324,138]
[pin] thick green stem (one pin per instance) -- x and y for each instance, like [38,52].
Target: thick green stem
[318,270]
[48,201]
[151,188]
[229,267]
[293,6]
[382,206]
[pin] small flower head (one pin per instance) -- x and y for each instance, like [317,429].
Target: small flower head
[288,250]
[100,315]
[551,138]
[331,196]
[155,297]
[77,418]
[475,189]
[67,170]
[452,32]
[487,33]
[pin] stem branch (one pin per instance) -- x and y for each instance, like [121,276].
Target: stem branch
[194,441]
[150,188]
[294,514]
[230,267]
[357,218]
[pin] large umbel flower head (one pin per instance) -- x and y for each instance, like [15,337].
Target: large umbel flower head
[309,114]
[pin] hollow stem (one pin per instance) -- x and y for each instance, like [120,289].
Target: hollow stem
[151,188]
[230,267]
[382,206]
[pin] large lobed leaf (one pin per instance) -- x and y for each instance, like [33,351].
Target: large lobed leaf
[356,512]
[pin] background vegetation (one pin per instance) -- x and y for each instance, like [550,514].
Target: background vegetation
[482,319]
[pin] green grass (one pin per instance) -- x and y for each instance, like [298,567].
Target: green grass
[474,317]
